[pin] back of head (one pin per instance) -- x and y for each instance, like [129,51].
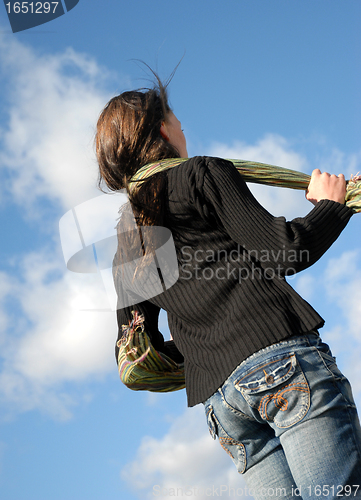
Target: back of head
[127,138]
[128,134]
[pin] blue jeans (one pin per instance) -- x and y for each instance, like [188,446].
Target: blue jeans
[287,418]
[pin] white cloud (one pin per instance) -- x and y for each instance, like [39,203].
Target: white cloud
[305,285]
[65,343]
[50,340]
[185,459]
[6,287]
[275,150]
[342,282]
[337,162]
[54,103]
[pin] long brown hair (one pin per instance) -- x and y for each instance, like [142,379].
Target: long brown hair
[127,138]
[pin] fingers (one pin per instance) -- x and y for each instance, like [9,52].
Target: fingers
[317,172]
[326,186]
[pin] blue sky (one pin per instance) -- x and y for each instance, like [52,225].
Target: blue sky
[276,81]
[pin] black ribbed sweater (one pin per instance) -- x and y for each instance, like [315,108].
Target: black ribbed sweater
[231,298]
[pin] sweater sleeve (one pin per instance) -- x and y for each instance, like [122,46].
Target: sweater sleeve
[128,300]
[288,247]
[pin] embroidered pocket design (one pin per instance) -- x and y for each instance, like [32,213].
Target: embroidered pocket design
[277,389]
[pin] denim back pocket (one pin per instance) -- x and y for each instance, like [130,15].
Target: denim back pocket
[340,381]
[277,389]
[233,448]
[212,426]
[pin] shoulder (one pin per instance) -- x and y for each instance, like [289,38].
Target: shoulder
[202,176]
[205,162]
[195,169]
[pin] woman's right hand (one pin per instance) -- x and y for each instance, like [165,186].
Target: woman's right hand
[324,186]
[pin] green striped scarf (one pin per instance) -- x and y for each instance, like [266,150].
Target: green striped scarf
[259,173]
[141,367]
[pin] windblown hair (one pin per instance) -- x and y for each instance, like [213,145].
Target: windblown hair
[127,138]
